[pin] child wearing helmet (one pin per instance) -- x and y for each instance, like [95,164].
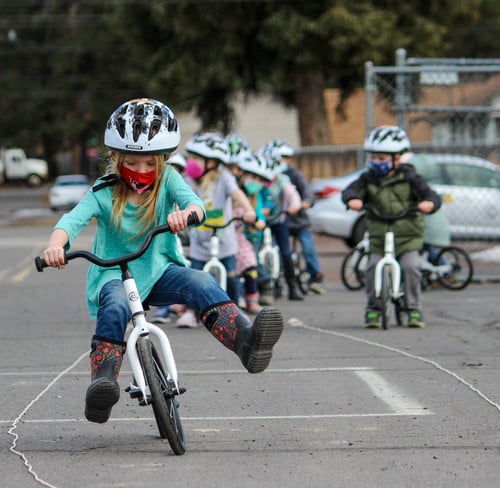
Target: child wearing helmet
[254,176]
[299,224]
[208,177]
[139,193]
[392,187]
[287,202]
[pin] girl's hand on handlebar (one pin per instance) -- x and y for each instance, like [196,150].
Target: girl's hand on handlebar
[426,206]
[54,257]
[355,204]
[249,217]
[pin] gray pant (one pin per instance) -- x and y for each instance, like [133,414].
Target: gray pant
[411,275]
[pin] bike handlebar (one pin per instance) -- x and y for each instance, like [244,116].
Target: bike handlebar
[40,263]
[223,226]
[390,218]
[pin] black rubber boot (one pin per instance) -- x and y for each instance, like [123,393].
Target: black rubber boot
[253,343]
[105,362]
[294,292]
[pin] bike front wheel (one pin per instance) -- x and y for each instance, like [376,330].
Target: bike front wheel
[457,268]
[352,276]
[165,406]
[385,297]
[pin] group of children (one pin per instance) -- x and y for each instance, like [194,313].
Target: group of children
[262,188]
[138,193]
[222,178]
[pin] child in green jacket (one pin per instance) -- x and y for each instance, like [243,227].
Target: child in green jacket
[392,188]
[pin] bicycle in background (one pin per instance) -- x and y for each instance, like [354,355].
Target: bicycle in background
[450,267]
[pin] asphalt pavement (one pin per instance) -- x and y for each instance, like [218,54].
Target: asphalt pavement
[339,406]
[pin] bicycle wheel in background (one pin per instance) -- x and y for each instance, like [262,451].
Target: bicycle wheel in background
[162,396]
[303,276]
[385,297]
[460,271]
[401,307]
[352,277]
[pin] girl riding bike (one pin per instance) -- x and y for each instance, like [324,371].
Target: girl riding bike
[139,193]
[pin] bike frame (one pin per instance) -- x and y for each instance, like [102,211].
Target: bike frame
[389,260]
[141,328]
[214,262]
[269,250]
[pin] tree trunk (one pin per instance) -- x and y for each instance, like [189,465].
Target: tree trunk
[313,123]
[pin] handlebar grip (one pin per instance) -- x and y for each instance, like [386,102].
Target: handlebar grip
[193,219]
[40,264]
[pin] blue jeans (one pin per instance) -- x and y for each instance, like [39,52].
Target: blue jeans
[178,284]
[233,280]
[282,237]
[306,240]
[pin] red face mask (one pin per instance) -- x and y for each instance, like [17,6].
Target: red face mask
[139,182]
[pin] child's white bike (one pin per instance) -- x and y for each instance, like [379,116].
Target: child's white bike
[388,283]
[214,265]
[155,381]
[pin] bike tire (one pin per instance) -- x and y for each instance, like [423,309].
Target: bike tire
[462,269]
[303,276]
[401,307]
[385,297]
[352,277]
[163,401]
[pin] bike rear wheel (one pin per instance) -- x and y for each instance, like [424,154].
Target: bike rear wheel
[303,276]
[352,277]
[460,273]
[163,401]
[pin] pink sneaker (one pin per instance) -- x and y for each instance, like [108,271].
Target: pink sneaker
[187,320]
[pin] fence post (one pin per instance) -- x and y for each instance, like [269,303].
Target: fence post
[400,97]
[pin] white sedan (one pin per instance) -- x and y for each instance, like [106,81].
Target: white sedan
[469,186]
[67,191]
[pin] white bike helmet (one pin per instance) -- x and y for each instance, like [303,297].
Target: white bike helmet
[177,159]
[142,125]
[209,146]
[256,164]
[272,158]
[238,146]
[280,148]
[389,139]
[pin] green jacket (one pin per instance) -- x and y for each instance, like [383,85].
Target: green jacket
[391,195]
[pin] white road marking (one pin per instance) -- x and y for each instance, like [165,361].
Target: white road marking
[396,400]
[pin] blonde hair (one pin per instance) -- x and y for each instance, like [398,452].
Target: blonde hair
[147,207]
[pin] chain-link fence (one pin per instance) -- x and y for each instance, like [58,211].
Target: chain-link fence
[450,109]
[445,105]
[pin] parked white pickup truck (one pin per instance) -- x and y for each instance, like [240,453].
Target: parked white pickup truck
[15,166]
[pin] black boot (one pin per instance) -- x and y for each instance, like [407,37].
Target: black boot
[105,362]
[294,292]
[253,343]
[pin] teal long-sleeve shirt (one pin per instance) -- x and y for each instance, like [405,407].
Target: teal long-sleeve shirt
[110,242]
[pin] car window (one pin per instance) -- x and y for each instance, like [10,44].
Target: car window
[465,175]
[428,169]
[72,182]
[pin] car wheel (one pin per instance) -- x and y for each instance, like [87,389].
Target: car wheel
[34,181]
[357,232]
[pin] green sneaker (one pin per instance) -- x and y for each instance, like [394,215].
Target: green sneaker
[415,319]
[372,320]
